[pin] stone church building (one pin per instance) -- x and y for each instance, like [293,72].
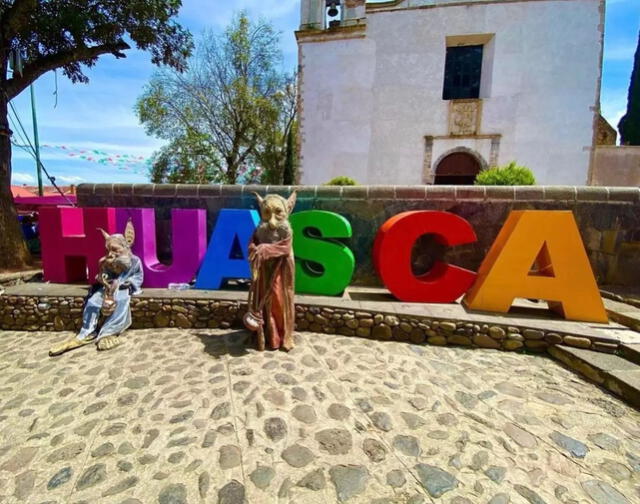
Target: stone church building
[433,91]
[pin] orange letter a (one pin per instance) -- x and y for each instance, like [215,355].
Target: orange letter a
[563,277]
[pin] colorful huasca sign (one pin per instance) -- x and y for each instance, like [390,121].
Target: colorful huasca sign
[537,255]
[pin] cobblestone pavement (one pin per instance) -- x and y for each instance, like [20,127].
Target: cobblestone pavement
[176,416]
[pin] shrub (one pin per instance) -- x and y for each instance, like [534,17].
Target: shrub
[342,180]
[510,174]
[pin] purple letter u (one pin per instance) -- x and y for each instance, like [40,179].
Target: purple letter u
[189,244]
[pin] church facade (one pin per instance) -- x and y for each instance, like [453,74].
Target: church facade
[433,91]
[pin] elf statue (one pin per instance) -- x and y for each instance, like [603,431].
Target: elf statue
[271,313]
[119,277]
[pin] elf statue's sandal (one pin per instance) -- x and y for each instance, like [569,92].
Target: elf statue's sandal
[109,342]
[70,344]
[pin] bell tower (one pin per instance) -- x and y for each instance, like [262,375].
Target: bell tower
[355,11]
[312,14]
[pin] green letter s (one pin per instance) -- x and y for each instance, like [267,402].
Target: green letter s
[323,265]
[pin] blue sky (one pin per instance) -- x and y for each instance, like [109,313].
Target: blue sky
[100,116]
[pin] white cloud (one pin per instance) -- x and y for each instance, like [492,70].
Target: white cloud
[620,53]
[613,106]
[22,178]
[69,180]
[614,119]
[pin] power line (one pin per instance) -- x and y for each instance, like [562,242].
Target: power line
[15,129]
[32,151]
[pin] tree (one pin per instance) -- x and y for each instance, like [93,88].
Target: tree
[290,162]
[187,159]
[230,97]
[70,35]
[276,147]
[629,125]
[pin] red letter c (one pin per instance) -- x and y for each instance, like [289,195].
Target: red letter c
[394,242]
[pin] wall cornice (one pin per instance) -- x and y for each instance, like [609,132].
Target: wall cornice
[336,33]
[88,192]
[394,5]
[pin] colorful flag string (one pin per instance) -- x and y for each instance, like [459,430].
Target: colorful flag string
[126,162]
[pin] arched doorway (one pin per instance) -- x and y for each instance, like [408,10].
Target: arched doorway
[457,168]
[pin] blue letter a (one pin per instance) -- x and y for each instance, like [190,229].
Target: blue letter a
[233,228]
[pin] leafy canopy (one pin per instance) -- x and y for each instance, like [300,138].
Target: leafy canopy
[187,159]
[510,174]
[276,152]
[230,98]
[68,34]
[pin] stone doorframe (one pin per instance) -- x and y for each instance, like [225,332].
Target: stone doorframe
[490,144]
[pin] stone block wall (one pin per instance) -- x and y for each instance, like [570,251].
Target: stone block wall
[608,217]
[616,165]
[19,312]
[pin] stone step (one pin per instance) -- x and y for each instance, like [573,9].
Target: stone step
[615,373]
[623,313]
[631,352]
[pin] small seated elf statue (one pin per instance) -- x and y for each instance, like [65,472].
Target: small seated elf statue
[271,304]
[119,277]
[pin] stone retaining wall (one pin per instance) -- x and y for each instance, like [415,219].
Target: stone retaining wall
[21,277]
[49,313]
[608,217]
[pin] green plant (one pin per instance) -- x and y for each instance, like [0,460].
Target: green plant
[510,174]
[342,181]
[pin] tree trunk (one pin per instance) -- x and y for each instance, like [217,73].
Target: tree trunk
[289,175]
[13,251]
[232,170]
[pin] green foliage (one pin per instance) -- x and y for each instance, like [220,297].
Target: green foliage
[186,160]
[342,181]
[289,175]
[278,143]
[70,34]
[629,125]
[230,98]
[510,174]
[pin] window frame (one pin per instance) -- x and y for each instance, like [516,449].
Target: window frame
[461,92]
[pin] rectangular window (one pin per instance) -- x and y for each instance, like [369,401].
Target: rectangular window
[462,72]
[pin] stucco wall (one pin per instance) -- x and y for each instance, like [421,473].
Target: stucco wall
[368,102]
[616,165]
[608,218]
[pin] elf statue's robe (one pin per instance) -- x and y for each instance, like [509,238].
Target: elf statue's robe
[107,313]
[271,298]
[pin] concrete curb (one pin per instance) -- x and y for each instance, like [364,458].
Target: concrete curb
[616,374]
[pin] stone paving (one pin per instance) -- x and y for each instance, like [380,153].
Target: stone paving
[175,416]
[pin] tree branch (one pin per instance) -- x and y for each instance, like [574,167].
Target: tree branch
[42,65]
[14,18]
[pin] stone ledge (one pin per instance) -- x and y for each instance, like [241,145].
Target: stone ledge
[616,374]
[375,192]
[50,307]
[19,277]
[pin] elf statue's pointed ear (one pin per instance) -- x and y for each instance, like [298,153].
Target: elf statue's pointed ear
[260,199]
[104,233]
[129,233]
[291,201]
